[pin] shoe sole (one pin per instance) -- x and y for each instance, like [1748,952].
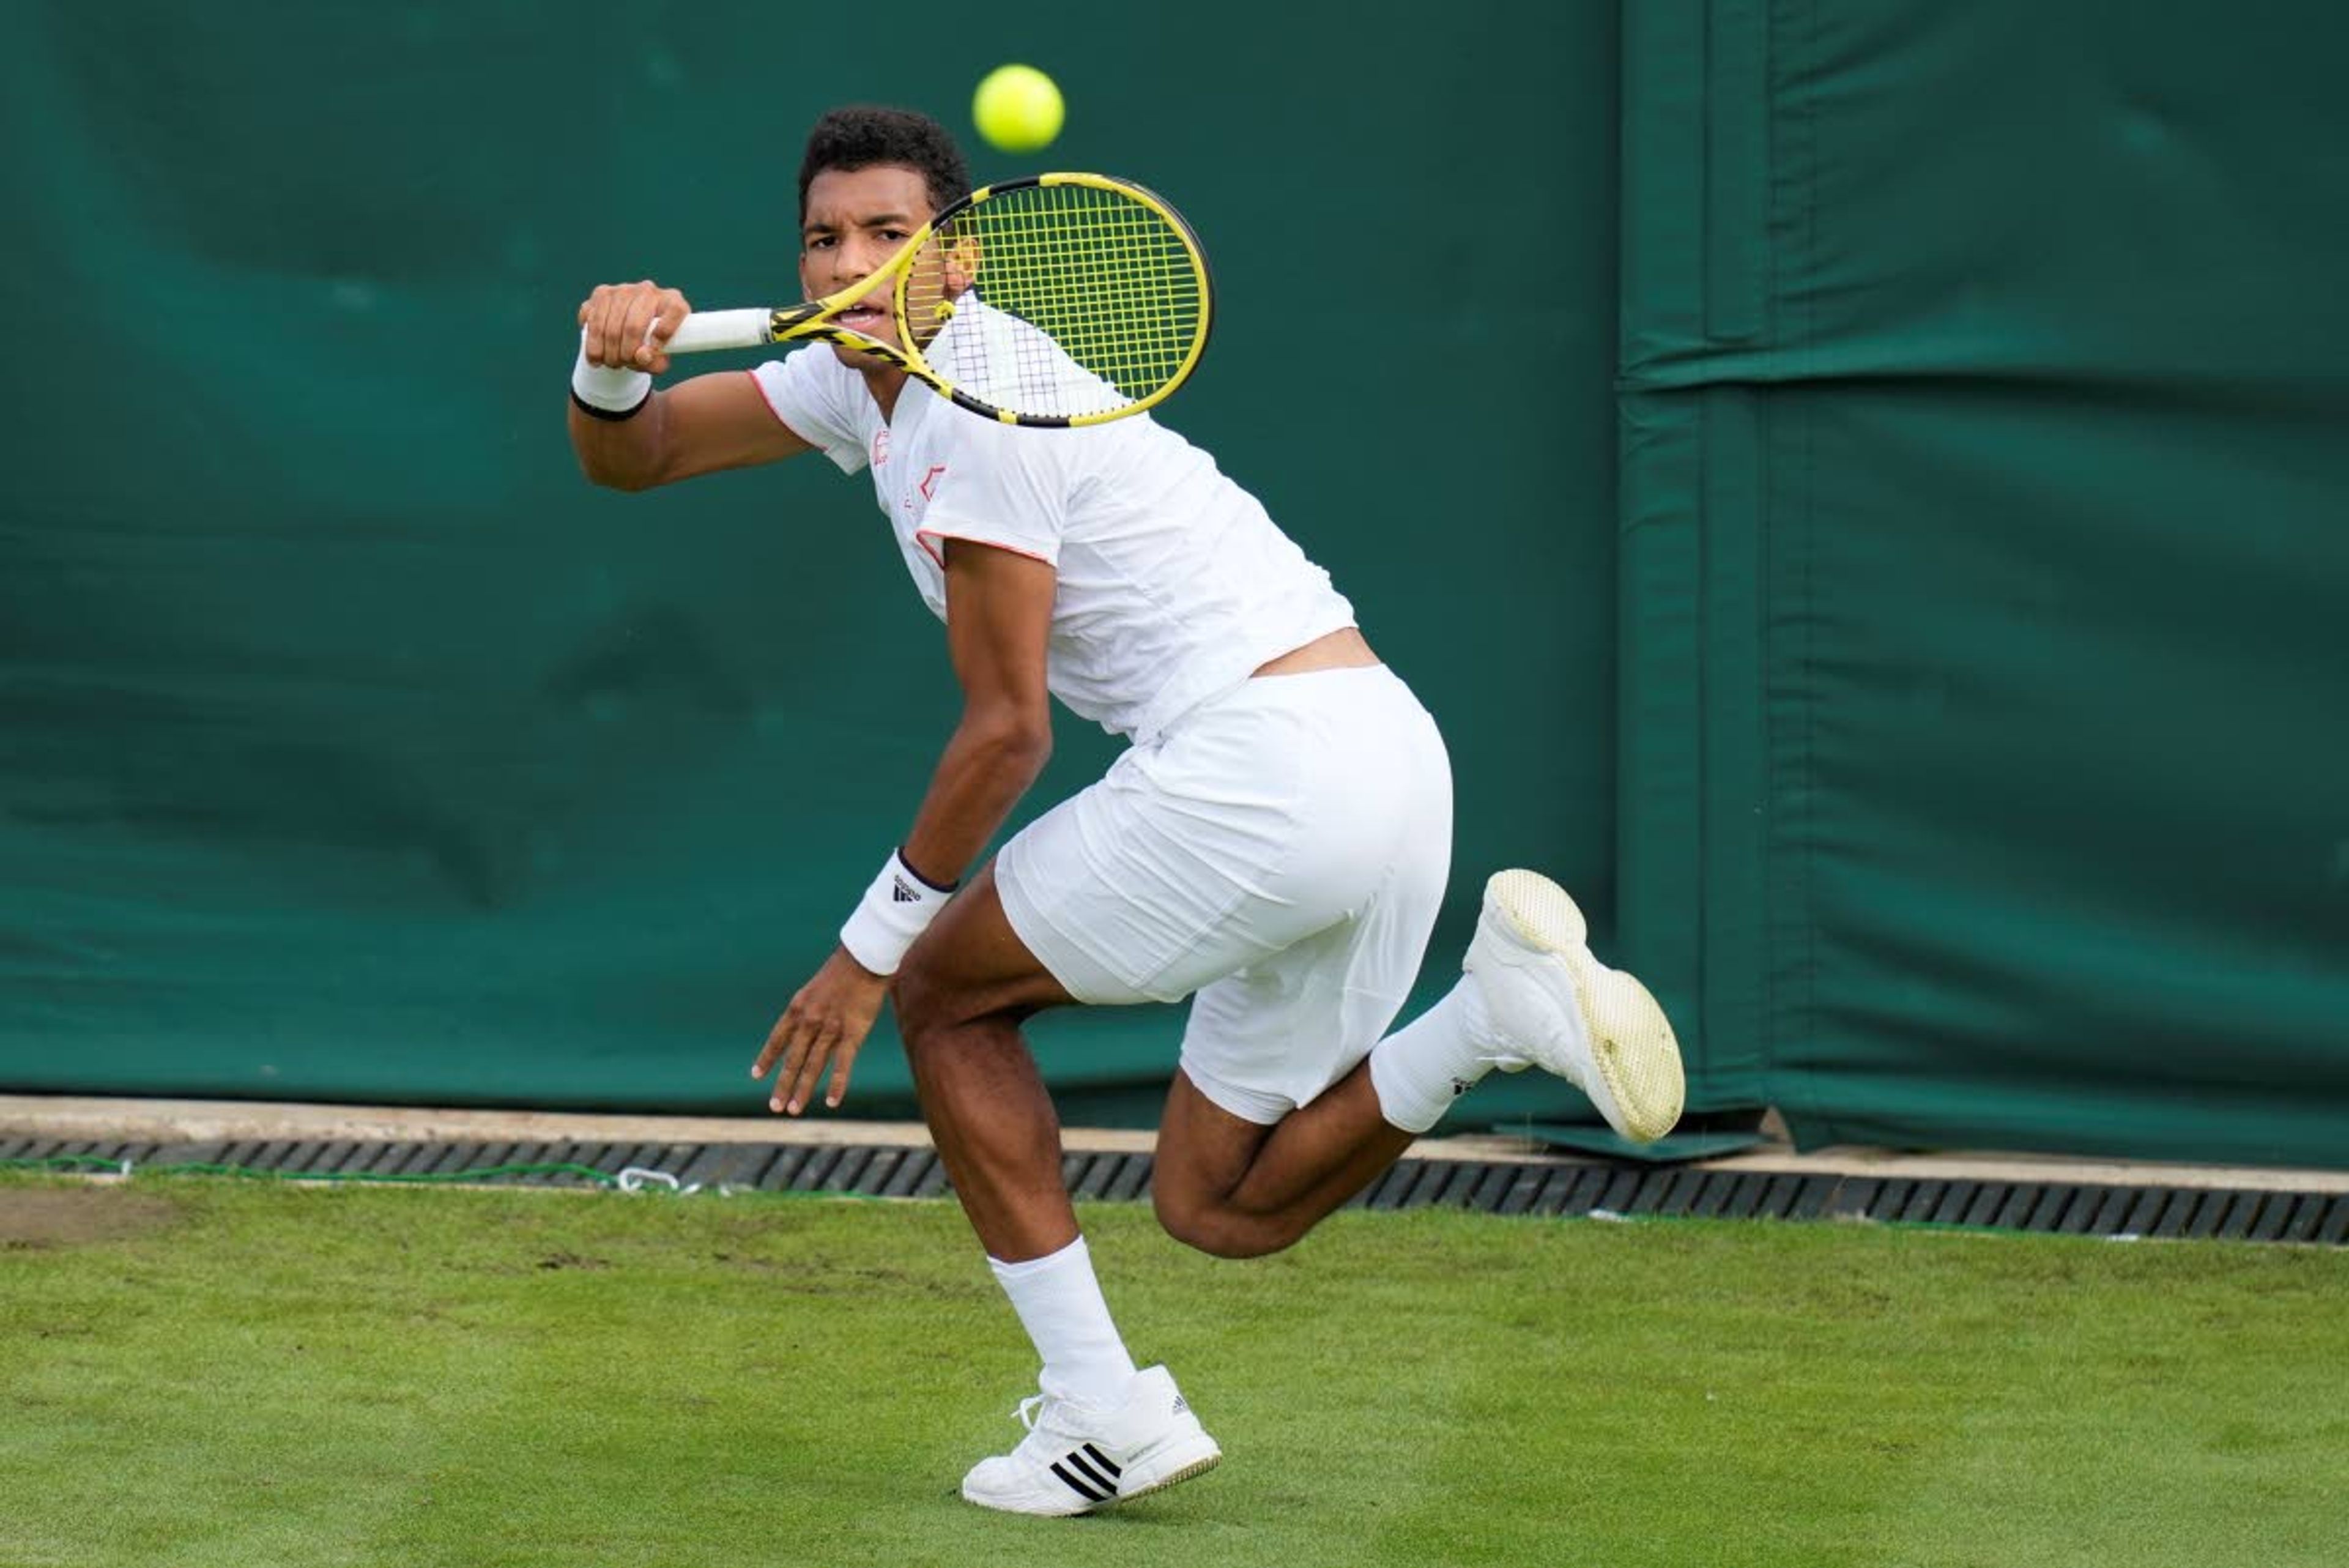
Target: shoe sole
[1185,1468]
[1632,1046]
[1197,1466]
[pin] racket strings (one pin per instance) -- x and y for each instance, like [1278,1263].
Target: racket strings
[1108,284]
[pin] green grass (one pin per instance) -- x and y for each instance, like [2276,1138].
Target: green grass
[199,1373]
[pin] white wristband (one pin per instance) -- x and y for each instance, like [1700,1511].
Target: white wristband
[601,387]
[895,910]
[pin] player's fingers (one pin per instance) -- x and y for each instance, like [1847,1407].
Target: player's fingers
[590,312]
[620,342]
[787,1071]
[783,1041]
[589,309]
[600,325]
[778,1038]
[670,316]
[644,314]
[808,1069]
[843,1060]
[670,311]
[611,342]
[603,332]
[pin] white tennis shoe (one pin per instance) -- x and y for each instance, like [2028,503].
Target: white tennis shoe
[1075,1459]
[1559,1009]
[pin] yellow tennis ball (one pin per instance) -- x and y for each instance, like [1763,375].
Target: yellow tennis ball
[1017,108]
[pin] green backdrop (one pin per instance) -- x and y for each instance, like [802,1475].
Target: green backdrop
[355,748]
[1906,606]
[1986,510]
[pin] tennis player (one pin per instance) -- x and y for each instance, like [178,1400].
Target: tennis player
[1274,845]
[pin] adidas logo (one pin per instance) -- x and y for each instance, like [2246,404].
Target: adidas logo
[901,894]
[1095,1481]
[1182,1406]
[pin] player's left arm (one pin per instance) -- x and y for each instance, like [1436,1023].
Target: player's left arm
[998,618]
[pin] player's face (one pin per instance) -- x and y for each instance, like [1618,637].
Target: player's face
[856,220]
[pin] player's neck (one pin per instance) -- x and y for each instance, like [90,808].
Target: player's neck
[884,384]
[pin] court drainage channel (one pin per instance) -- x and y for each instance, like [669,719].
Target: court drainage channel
[1566,1189]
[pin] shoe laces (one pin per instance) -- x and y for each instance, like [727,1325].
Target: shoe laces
[1045,1434]
[1046,1417]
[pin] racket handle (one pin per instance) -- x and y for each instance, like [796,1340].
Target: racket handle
[706,330]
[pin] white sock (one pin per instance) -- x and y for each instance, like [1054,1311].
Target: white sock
[1421,1067]
[1060,1304]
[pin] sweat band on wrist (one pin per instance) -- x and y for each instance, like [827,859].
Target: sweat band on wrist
[607,394]
[897,909]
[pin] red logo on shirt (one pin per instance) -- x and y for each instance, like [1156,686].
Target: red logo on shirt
[930,479]
[881,446]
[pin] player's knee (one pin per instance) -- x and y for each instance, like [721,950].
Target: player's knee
[923,1001]
[1218,1229]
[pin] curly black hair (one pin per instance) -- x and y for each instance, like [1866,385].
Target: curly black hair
[861,135]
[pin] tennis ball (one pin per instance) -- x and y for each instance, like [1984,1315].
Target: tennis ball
[1017,108]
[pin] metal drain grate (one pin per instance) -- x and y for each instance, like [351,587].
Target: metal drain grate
[1567,1188]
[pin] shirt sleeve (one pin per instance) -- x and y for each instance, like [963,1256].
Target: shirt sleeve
[1004,487]
[809,403]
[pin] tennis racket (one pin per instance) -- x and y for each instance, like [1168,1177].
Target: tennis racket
[1056,300]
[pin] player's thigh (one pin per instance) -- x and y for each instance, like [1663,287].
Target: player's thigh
[1274,1036]
[1264,819]
[971,964]
[1274,1033]
[1153,881]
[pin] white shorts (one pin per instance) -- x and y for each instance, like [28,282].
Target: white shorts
[1280,851]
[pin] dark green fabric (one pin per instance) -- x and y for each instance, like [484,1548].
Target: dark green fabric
[1987,512]
[353,747]
[1974,769]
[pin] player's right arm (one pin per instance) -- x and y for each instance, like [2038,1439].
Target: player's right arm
[697,426]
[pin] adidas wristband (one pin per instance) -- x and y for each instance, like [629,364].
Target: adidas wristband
[897,909]
[605,392]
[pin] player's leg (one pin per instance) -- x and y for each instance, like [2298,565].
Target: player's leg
[1101,1431]
[1238,1188]
[1286,1108]
[1275,1118]
[1272,1122]
[1143,888]
[959,1000]
[1233,1182]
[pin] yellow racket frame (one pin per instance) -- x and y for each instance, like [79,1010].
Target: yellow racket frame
[815,319]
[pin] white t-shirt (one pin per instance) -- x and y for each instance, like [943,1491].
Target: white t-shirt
[1174,583]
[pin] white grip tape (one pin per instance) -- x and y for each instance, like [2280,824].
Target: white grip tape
[895,911]
[707,329]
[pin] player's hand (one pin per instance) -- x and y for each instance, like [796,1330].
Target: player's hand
[826,1022]
[627,324]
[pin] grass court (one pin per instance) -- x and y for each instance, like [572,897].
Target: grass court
[210,1374]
